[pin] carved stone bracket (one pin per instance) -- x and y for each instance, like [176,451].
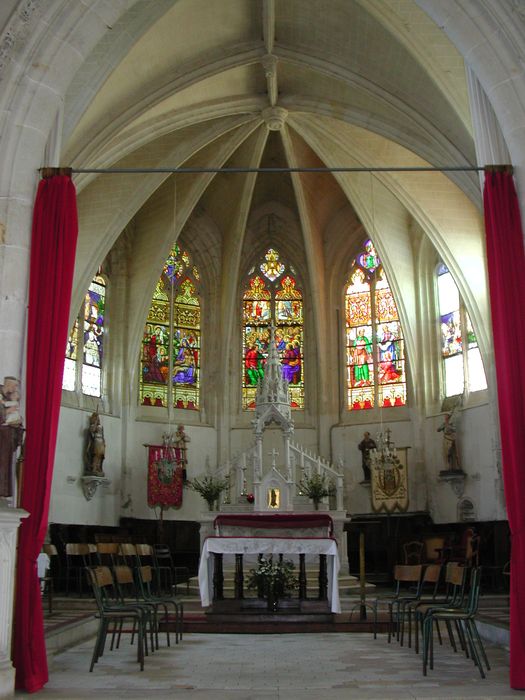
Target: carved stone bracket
[90,485]
[456,478]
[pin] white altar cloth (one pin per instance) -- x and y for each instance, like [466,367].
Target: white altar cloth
[269,545]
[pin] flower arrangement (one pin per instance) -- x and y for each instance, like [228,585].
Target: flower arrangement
[209,487]
[273,580]
[250,497]
[315,486]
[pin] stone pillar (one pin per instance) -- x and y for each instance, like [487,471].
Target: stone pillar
[287,463]
[9,522]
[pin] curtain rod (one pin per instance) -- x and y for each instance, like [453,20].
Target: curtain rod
[195,170]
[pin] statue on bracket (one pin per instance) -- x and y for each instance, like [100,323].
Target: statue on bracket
[95,448]
[450,447]
[366,444]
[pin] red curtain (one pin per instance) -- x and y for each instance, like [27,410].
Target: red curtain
[53,246]
[506,267]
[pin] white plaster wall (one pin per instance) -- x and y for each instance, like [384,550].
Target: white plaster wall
[202,451]
[68,504]
[345,440]
[479,458]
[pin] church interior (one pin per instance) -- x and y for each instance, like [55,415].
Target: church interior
[281,191]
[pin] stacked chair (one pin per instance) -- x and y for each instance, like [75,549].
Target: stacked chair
[111,610]
[462,616]
[122,587]
[424,608]
[405,577]
[168,574]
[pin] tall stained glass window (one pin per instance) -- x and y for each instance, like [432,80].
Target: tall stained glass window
[375,351]
[88,344]
[272,296]
[170,356]
[461,361]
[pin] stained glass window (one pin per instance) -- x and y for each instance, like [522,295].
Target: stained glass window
[461,362]
[171,340]
[375,351]
[87,344]
[93,345]
[276,300]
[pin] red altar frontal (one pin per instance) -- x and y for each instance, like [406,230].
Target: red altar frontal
[274,524]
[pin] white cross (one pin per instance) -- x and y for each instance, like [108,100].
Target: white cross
[273,454]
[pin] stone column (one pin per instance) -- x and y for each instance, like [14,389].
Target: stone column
[9,522]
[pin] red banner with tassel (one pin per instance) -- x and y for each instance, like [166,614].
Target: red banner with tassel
[165,476]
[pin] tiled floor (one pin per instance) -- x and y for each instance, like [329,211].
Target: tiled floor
[276,667]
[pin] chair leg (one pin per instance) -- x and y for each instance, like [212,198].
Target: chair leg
[431,632]
[425,623]
[472,624]
[390,622]
[451,635]
[473,650]
[440,638]
[461,637]
[98,643]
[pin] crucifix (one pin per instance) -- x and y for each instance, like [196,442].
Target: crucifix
[273,454]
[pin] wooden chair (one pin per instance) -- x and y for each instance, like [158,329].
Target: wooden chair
[145,577]
[404,577]
[107,553]
[435,547]
[455,582]
[463,617]
[427,593]
[110,612]
[128,590]
[413,552]
[167,572]
[78,556]
[52,574]
[127,554]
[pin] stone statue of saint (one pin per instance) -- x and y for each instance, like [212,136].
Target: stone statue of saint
[181,449]
[96,446]
[450,447]
[366,444]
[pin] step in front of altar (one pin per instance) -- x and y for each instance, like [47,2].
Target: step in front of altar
[255,610]
[348,585]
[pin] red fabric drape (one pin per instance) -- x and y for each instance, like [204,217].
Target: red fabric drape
[506,267]
[53,247]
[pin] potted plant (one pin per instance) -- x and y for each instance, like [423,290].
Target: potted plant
[316,487]
[209,487]
[273,580]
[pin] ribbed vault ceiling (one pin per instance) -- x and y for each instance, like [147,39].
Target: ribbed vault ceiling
[273,82]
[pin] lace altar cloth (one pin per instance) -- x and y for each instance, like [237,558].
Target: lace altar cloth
[267,546]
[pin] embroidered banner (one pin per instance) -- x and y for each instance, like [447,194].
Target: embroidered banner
[390,486]
[165,476]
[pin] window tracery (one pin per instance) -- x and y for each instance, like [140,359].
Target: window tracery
[171,344]
[375,351]
[462,366]
[87,345]
[272,296]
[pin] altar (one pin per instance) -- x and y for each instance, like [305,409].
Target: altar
[210,568]
[267,509]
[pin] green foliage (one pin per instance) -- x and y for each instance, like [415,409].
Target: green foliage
[278,578]
[209,487]
[316,486]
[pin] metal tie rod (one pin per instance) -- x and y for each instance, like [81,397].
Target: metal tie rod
[196,170]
